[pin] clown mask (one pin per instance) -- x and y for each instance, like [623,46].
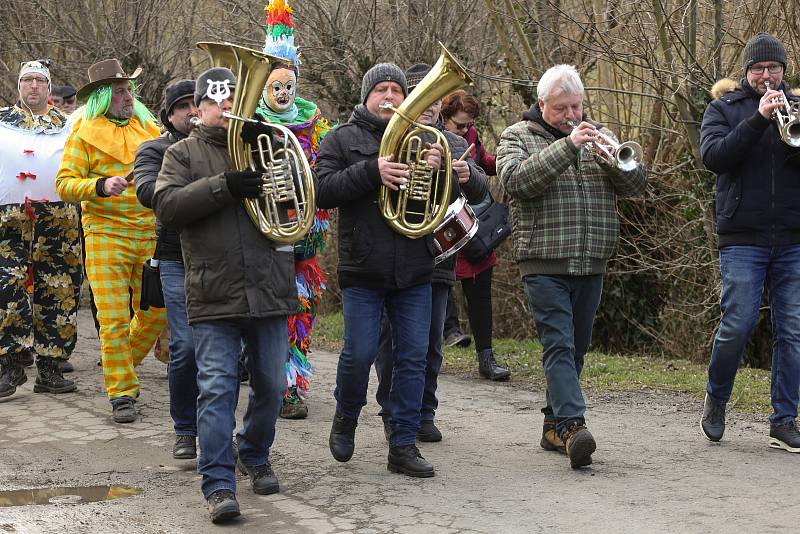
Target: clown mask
[280,90]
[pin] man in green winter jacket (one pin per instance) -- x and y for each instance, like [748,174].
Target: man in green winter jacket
[565,229]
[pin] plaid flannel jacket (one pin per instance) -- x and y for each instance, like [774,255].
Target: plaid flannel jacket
[563,202]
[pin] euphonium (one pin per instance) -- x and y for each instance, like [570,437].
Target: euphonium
[788,120]
[286,212]
[429,195]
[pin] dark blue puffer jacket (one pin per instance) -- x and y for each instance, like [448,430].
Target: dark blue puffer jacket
[758,175]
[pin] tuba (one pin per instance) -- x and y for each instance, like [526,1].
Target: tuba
[420,207]
[286,212]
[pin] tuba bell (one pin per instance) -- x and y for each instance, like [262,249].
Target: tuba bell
[420,207]
[286,212]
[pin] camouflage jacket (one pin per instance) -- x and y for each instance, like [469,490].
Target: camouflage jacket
[563,202]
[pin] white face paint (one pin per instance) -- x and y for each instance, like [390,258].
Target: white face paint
[280,89]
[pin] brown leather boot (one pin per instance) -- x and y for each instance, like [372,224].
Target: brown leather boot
[550,438]
[580,445]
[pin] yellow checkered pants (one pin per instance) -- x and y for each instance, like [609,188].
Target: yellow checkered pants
[114,270]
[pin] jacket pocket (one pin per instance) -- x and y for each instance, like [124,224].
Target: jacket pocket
[731,199]
[361,245]
[209,278]
[365,150]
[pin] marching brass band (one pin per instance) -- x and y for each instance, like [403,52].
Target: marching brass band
[240,185]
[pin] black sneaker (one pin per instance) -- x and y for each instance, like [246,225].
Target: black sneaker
[713,422]
[428,432]
[262,477]
[457,339]
[580,445]
[222,506]
[124,410]
[185,448]
[784,437]
[407,460]
[342,440]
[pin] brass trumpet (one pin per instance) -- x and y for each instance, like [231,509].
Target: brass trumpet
[624,156]
[788,120]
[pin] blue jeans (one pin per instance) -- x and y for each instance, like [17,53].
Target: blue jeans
[218,345]
[744,270]
[410,314]
[182,373]
[563,309]
[384,363]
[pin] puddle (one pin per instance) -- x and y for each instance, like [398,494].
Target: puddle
[75,495]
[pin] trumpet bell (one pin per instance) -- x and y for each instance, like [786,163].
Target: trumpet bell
[628,155]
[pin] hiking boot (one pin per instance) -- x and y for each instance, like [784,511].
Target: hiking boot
[387,427]
[12,374]
[293,408]
[428,432]
[550,438]
[579,444]
[124,410]
[50,379]
[713,422]
[65,366]
[784,437]
[185,447]
[222,506]
[407,460]
[488,368]
[26,358]
[262,477]
[457,339]
[342,441]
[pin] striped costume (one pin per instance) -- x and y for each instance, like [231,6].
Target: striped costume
[120,236]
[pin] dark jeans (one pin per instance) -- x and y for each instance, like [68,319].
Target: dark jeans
[409,312]
[563,309]
[218,345]
[384,363]
[182,373]
[744,271]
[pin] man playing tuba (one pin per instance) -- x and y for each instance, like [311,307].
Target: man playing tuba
[377,267]
[239,287]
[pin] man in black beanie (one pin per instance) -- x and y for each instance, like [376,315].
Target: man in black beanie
[758,223]
[176,116]
[377,267]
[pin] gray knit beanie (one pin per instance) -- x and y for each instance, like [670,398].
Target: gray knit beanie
[382,72]
[763,47]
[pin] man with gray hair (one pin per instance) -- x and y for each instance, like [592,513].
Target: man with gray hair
[565,229]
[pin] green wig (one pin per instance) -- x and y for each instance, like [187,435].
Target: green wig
[100,100]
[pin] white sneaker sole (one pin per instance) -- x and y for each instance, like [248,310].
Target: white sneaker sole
[778,444]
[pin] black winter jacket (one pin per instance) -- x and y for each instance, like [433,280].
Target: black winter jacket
[146,167]
[758,175]
[371,254]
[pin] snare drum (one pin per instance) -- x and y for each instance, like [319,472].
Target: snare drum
[455,231]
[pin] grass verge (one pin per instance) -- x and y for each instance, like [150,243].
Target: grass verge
[602,372]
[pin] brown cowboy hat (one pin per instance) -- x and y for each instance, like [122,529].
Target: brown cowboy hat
[105,72]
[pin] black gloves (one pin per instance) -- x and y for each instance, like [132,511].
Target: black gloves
[251,130]
[245,184]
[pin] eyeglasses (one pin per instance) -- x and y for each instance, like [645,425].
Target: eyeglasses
[462,125]
[28,80]
[759,69]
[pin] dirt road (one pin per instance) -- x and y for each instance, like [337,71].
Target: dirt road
[653,472]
